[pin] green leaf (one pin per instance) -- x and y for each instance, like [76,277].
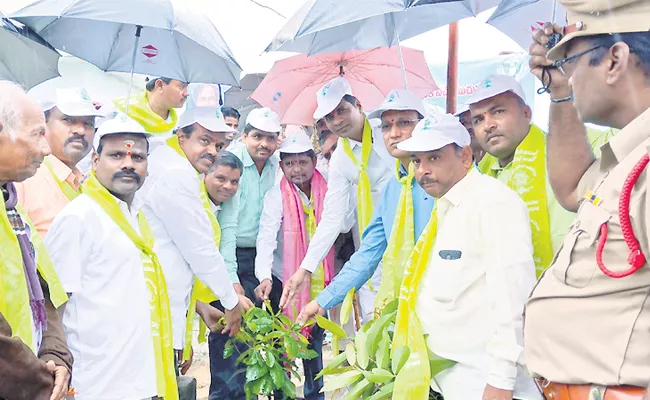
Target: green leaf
[270,359]
[252,389]
[267,386]
[289,389]
[228,349]
[362,351]
[383,351]
[330,326]
[292,346]
[391,307]
[439,364]
[265,325]
[385,392]
[278,375]
[375,332]
[400,356]
[307,354]
[378,375]
[341,381]
[350,353]
[256,371]
[333,364]
[346,307]
[355,392]
[336,345]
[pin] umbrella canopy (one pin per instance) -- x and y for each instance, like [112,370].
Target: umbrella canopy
[238,97]
[290,87]
[153,37]
[322,26]
[25,58]
[519,18]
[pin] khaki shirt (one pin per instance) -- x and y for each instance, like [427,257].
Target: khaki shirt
[582,326]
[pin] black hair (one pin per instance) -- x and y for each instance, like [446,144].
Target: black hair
[351,99]
[638,42]
[308,153]
[230,112]
[324,135]
[187,130]
[228,159]
[151,83]
[100,146]
[47,114]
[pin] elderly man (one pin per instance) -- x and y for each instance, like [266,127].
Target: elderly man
[360,160]
[401,215]
[154,108]
[70,118]
[177,207]
[516,156]
[35,362]
[468,278]
[102,248]
[588,319]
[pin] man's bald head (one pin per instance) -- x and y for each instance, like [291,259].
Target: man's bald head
[22,134]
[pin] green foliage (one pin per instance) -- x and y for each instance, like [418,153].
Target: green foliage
[273,343]
[366,364]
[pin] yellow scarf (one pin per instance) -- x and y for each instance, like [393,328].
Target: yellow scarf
[317,283]
[364,192]
[140,111]
[200,292]
[67,189]
[528,179]
[14,295]
[161,322]
[400,243]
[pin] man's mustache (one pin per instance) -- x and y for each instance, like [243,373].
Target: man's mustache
[210,157]
[76,138]
[427,181]
[127,173]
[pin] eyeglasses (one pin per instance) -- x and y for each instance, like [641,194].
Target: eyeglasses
[402,124]
[564,64]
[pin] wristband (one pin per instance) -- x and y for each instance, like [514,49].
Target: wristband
[561,100]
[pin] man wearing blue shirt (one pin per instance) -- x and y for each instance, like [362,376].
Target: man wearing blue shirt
[399,114]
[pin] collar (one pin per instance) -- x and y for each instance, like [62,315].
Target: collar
[63,172]
[629,138]
[456,194]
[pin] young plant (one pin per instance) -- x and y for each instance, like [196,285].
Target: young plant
[273,345]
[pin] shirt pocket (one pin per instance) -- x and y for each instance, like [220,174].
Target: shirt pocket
[446,279]
[581,239]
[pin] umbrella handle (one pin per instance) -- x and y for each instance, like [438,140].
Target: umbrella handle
[399,53]
[138,30]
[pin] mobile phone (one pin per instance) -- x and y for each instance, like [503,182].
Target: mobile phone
[553,39]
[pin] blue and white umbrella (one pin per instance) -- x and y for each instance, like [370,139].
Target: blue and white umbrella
[25,58]
[153,37]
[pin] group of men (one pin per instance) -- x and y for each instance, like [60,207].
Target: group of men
[475,234]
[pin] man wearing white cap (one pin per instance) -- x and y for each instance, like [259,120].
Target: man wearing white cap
[465,118]
[70,118]
[467,280]
[177,207]
[259,143]
[517,157]
[401,215]
[117,321]
[360,160]
[292,210]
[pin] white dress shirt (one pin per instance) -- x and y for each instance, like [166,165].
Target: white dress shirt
[107,320]
[184,239]
[342,182]
[269,261]
[472,295]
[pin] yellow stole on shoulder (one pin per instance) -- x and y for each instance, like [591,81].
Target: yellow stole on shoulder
[140,111]
[528,179]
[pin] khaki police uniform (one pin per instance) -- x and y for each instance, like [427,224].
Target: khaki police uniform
[583,327]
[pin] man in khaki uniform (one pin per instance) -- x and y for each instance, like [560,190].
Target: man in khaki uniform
[587,326]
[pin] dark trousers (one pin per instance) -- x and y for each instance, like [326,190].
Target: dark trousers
[228,379]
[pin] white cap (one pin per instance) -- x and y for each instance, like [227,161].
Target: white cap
[495,85]
[330,95]
[121,124]
[399,100]
[295,144]
[430,135]
[264,119]
[209,118]
[74,102]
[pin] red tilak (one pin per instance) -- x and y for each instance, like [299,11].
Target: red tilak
[636,259]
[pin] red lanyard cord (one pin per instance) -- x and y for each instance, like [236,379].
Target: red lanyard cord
[636,259]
